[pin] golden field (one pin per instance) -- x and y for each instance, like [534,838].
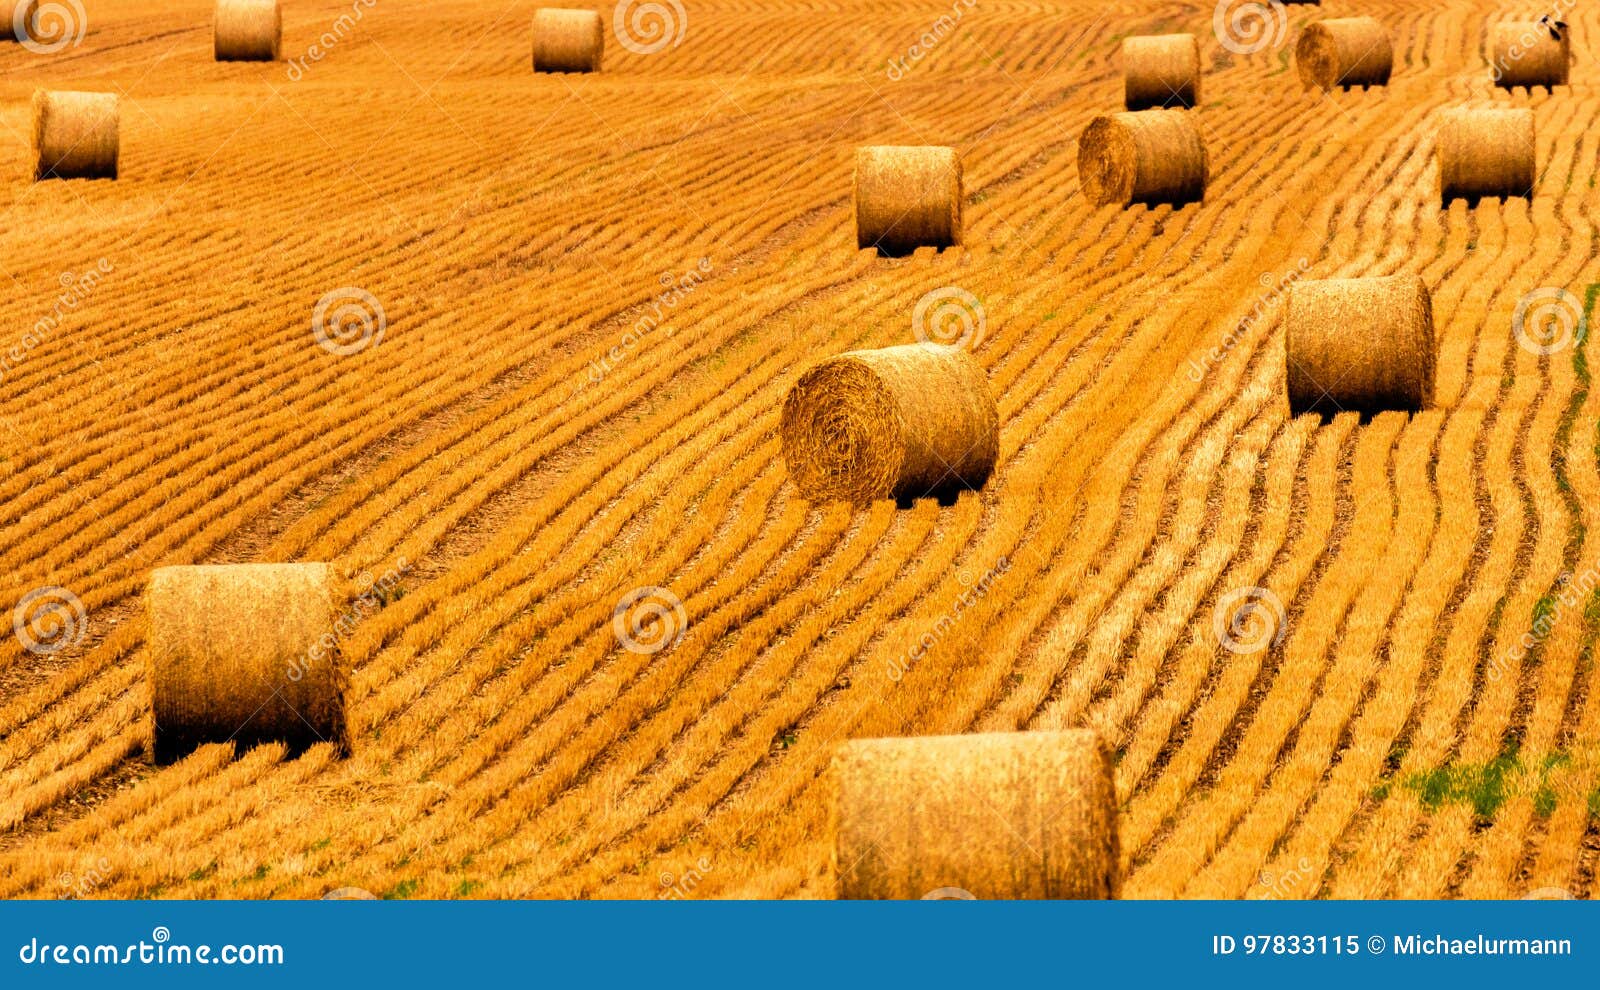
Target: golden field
[596,291]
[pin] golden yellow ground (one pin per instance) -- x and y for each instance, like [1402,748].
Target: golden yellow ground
[544,426]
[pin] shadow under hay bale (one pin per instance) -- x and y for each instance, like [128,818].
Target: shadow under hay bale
[75,135]
[1161,70]
[18,19]
[1486,154]
[900,423]
[1022,815]
[907,197]
[247,31]
[246,653]
[1530,54]
[1148,156]
[1344,52]
[567,40]
[1361,345]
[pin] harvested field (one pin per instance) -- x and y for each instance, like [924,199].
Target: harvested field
[508,350]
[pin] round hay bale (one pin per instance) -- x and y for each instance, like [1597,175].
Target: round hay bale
[1344,52]
[907,197]
[901,422]
[1486,153]
[1530,53]
[247,31]
[247,653]
[567,40]
[18,19]
[1148,156]
[1360,345]
[75,135]
[1017,815]
[1161,70]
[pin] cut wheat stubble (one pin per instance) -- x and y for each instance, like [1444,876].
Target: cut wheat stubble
[1020,815]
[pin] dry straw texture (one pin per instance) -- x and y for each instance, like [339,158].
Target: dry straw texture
[1344,52]
[248,31]
[75,135]
[1161,70]
[15,13]
[1151,156]
[907,197]
[1486,153]
[244,652]
[1360,344]
[1024,815]
[567,40]
[902,422]
[1530,53]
